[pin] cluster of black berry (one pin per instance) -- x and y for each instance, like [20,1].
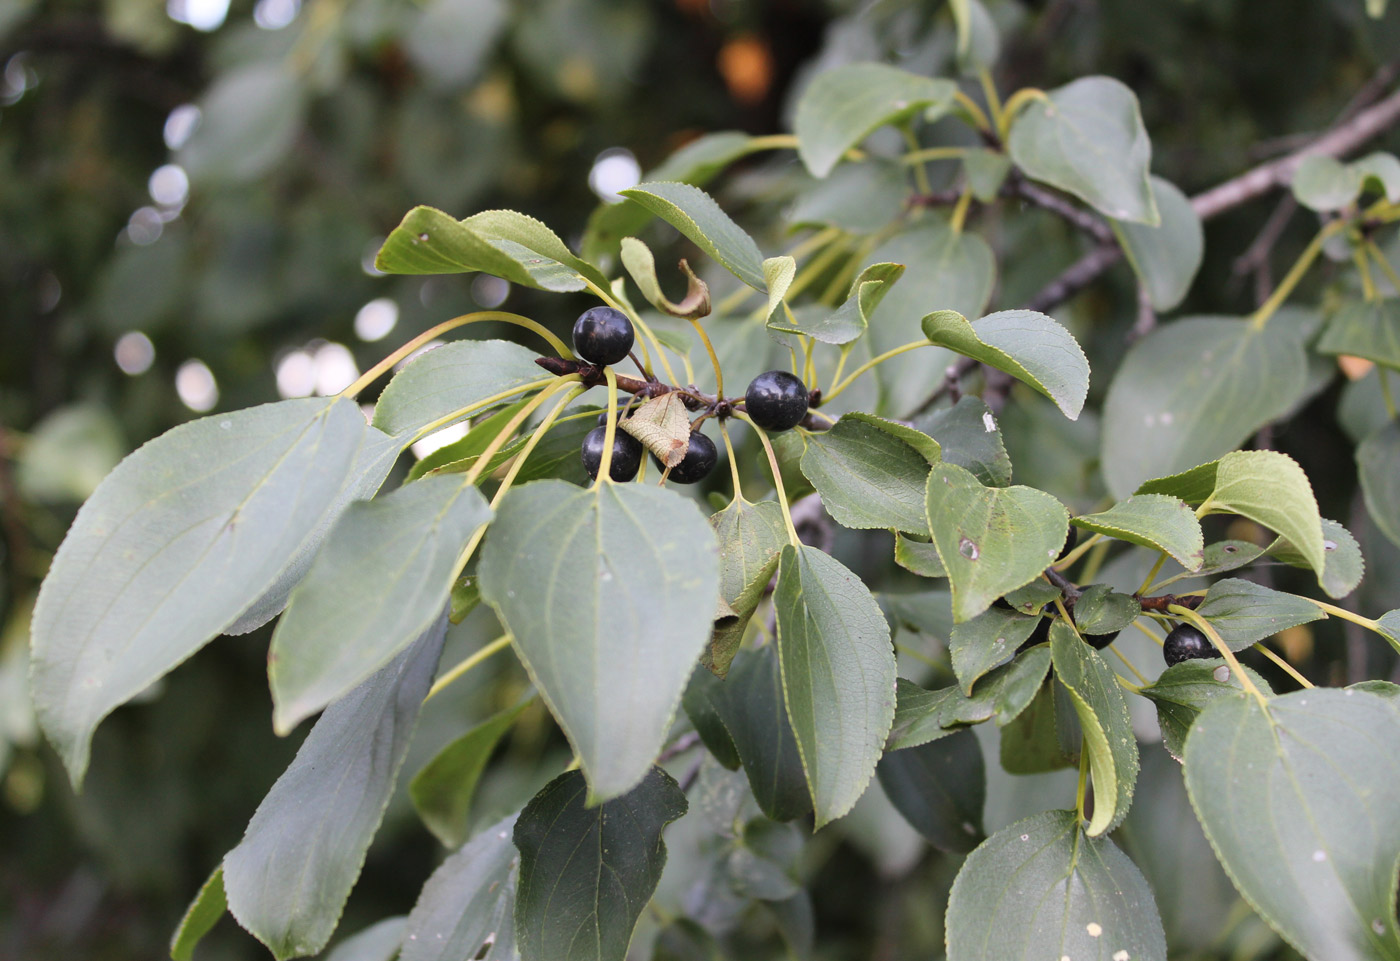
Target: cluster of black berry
[775,401]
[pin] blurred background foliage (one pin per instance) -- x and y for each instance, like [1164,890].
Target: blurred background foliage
[191,195]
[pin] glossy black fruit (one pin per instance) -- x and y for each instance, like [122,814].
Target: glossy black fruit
[603,336]
[626,456]
[1184,643]
[1099,641]
[699,460]
[603,417]
[776,400]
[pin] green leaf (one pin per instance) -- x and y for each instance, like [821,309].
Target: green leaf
[610,593]
[868,474]
[509,245]
[922,716]
[249,119]
[383,575]
[696,215]
[1325,183]
[1380,172]
[288,879]
[1046,735]
[762,863]
[1029,346]
[1369,329]
[978,645]
[1089,140]
[1103,716]
[1344,565]
[1378,464]
[1167,256]
[750,538]
[838,675]
[378,942]
[841,107]
[466,909]
[859,198]
[778,274]
[918,557]
[586,873]
[1156,521]
[969,437]
[460,455]
[1229,555]
[928,612]
[1271,488]
[685,940]
[641,266]
[1033,598]
[986,171]
[1102,610]
[200,917]
[1192,390]
[943,268]
[1042,888]
[450,377]
[991,539]
[1314,852]
[754,713]
[442,791]
[1243,612]
[850,320]
[939,788]
[702,702]
[185,535]
[1184,690]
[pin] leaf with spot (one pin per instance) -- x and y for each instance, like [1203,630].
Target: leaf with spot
[1043,888]
[838,672]
[969,436]
[1101,610]
[288,879]
[183,537]
[1103,716]
[696,215]
[1271,488]
[1156,521]
[939,788]
[869,473]
[1186,689]
[609,593]
[586,873]
[1026,344]
[1314,853]
[1088,139]
[1344,565]
[991,539]
[466,909]
[841,107]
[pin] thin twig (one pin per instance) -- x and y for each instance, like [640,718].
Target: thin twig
[1060,205]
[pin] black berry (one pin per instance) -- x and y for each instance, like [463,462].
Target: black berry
[1184,643]
[626,455]
[603,336]
[776,400]
[1099,641]
[699,460]
[621,416]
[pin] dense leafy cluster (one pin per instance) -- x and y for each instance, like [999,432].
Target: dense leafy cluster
[655,632]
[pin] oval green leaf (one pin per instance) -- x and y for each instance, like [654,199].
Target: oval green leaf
[452,377]
[939,788]
[696,215]
[467,908]
[1157,521]
[610,593]
[868,475]
[1166,256]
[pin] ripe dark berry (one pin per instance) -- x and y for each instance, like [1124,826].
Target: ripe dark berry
[1184,643]
[1099,641]
[621,416]
[626,456]
[699,460]
[603,336]
[776,400]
